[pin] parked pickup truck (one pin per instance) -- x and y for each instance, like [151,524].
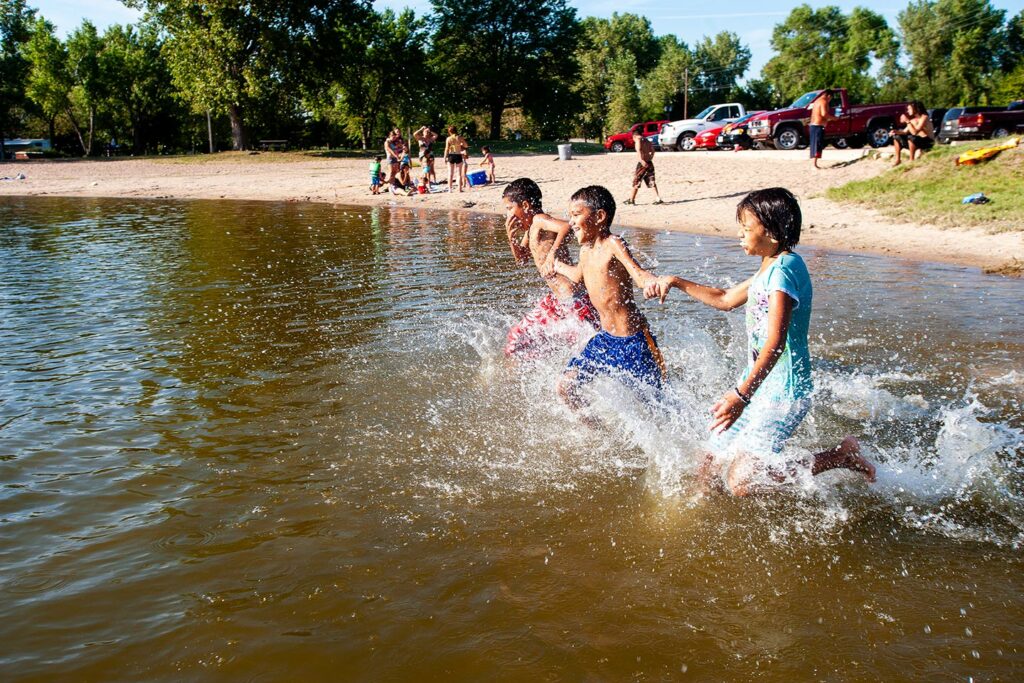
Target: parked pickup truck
[680,134]
[620,142]
[855,125]
[991,124]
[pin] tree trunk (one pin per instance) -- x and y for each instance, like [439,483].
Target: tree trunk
[497,109]
[52,125]
[3,147]
[239,137]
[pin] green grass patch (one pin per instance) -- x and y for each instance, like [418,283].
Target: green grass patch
[930,189]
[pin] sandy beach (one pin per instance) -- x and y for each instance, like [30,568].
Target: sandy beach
[700,190]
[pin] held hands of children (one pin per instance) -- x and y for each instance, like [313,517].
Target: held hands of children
[658,288]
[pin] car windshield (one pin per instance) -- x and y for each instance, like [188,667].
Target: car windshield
[745,117]
[805,100]
[704,113]
[953,113]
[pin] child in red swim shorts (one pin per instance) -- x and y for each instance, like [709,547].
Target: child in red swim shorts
[565,314]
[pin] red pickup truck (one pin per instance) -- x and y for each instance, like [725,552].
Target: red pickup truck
[991,124]
[855,125]
[623,141]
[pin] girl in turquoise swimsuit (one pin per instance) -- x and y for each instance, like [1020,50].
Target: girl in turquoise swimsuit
[753,420]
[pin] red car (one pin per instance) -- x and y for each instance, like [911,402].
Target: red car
[708,139]
[623,141]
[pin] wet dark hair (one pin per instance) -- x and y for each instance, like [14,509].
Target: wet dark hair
[378,158]
[778,211]
[918,107]
[524,190]
[485,149]
[597,197]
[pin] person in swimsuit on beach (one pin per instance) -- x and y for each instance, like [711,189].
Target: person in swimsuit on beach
[819,117]
[453,146]
[624,347]
[753,420]
[426,138]
[644,172]
[916,135]
[488,162]
[565,313]
[393,153]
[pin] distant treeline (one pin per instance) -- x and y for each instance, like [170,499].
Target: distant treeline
[339,73]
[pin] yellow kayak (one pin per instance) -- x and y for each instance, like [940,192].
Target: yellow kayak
[976,156]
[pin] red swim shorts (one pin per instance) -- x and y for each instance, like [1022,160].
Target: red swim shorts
[551,322]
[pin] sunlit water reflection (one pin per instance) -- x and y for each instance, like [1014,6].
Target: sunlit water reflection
[275,441]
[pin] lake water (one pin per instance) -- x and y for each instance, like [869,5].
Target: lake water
[264,442]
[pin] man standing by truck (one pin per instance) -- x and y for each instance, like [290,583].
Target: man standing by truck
[819,117]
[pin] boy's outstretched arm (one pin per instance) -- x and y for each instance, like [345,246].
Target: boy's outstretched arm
[729,408]
[560,229]
[519,246]
[641,278]
[722,299]
[573,272]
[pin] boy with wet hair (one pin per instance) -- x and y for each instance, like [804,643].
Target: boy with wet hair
[565,312]
[624,346]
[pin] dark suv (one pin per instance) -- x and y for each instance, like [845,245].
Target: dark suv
[950,122]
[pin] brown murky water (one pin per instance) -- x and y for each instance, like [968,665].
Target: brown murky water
[264,442]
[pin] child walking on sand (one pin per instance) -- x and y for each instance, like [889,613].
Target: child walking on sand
[488,161]
[754,419]
[644,172]
[624,346]
[565,312]
[375,176]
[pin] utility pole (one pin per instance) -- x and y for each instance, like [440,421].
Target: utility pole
[686,93]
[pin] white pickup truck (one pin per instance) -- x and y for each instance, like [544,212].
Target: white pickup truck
[679,134]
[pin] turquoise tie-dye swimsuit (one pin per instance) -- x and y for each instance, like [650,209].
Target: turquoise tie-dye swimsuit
[784,397]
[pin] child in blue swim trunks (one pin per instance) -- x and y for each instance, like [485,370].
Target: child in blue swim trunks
[624,346]
[754,419]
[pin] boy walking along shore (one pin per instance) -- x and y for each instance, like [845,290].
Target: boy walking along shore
[625,345]
[644,172]
[566,312]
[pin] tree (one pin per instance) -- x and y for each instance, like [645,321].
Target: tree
[1013,56]
[15,30]
[62,82]
[954,48]
[819,48]
[719,62]
[227,56]
[623,98]
[662,88]
[487,52]
[388,81]
[602,45]
[136,81]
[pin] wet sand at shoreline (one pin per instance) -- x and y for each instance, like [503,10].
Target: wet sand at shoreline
[700,190]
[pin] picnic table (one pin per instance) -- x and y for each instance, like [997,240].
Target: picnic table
[273,145]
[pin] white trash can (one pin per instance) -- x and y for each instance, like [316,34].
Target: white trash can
[565,152]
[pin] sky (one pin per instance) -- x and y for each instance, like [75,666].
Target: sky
[689,21]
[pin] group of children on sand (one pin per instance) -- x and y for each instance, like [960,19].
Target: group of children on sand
[752,420]
[398,179]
